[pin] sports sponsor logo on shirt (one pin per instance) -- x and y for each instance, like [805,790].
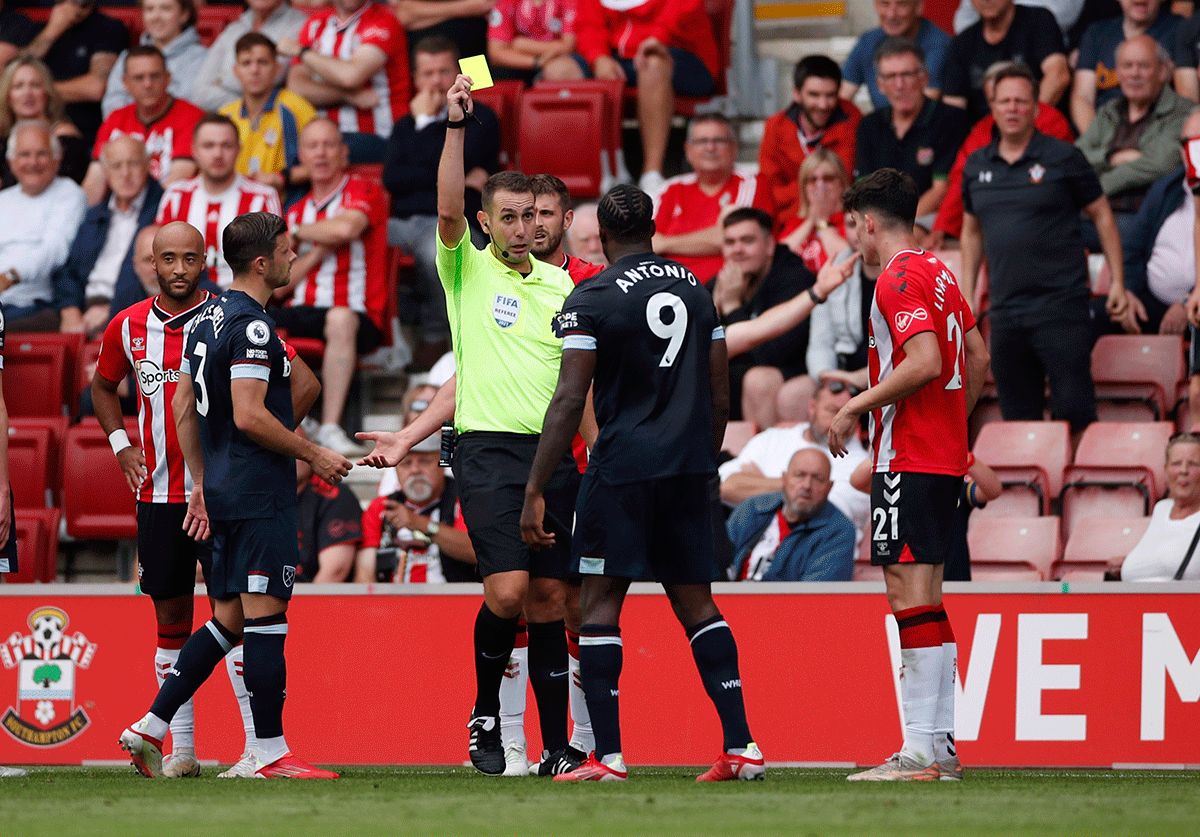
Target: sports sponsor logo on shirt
[505,310]
[46,660]
[563,322]
[150,377]
[905,318]
[257,354]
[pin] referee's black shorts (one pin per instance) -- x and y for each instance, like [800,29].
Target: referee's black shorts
[490,472]
[167,556]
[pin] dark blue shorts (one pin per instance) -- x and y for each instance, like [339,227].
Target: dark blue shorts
[658,530]
[689,78]
[167,556]
[255,556]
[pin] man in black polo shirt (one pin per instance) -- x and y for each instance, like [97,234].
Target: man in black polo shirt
[914,134]
[80,46]
[1022,196]
[1005,32]
[16,31]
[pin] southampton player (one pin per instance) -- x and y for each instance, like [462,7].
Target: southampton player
[927,365]
[648,333]
[234,414]
[147,338]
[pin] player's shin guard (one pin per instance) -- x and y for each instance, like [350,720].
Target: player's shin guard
[600,660]
[582,738]
[943,722]
[715,652]
[265,673]
[171,639]
[494,641]
[548,672]
[196,662]
[920,677]
[235,668]
[513,689]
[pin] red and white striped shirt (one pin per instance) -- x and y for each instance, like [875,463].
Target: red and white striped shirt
[149,341]
[683,207]
[353,276]
[373,24]
[188,200]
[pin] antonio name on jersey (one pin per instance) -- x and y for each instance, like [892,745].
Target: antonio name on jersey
[654,269]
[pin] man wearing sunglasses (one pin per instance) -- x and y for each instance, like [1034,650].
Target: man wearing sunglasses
[759,468]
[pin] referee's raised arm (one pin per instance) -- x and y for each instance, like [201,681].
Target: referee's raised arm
[451,182]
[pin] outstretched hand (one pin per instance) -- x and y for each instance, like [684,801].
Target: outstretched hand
[833,275]
[390,448]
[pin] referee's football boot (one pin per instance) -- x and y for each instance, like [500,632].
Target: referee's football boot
[594,770]
[181,764]
[745,766]
[561,761]
[144,751]
[899,768]
[487,753]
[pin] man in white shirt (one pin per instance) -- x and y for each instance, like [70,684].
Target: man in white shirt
[759,468]
[101,258]
[41,216]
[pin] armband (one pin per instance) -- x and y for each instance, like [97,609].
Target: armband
[119,440]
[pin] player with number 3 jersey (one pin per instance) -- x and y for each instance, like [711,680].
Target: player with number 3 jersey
[927,364]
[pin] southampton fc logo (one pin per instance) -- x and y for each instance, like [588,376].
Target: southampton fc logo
[46,660]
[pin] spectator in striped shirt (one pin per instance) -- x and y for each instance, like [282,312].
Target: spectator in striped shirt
[338,291]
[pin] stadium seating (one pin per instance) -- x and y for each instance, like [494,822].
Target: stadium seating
[210,20]
[57,427]
[97,501]
[503,97]
[737,433]
[1118,471]
[1091,547]
[611,153]
[1014,548]
[547,114]
[1137,375]
[720,15]
[29,466]
[1029,457]
[36,531]
[34,377]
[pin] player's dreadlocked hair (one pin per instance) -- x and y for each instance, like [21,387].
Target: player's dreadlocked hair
[626,214]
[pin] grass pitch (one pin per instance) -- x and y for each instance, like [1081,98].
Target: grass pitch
[97,802]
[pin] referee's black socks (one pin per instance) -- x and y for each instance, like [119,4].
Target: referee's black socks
[197,659]
[549,673]
[494,640]
[715,652]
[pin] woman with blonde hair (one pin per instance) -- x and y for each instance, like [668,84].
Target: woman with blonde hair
[818,231]
[27,92]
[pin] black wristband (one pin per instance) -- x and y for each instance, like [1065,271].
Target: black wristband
[813,295]
[450,123]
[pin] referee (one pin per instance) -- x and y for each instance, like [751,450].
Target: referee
[501,303]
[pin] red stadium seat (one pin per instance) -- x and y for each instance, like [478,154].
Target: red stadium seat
[36,531]
[1029,457]
[579,114]
[1118,470]
[29,465]
[210,20]
[1137,375]
[73,343]
[131,16]
[34,376]
[612,160]
[1091,547]
[1009,548]
[504,98]
[57,426]
[97,501]
[737,433]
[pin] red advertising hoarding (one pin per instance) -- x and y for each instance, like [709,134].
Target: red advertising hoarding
[1103,675]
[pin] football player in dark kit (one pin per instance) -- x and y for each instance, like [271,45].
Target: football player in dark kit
[647,333]
[233,413]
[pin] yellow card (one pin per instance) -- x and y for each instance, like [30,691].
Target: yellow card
[476,67]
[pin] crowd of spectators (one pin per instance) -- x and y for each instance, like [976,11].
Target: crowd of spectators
[1036,134]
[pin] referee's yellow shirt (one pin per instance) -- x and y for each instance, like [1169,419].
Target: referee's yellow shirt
[505,350]
[270,143]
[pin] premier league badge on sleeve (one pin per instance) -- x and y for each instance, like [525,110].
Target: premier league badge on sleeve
[258,333]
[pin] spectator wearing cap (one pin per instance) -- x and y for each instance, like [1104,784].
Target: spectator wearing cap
[795,534]
[759,468]
[416,533]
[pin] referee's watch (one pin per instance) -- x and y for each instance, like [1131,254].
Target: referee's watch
[432,529]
